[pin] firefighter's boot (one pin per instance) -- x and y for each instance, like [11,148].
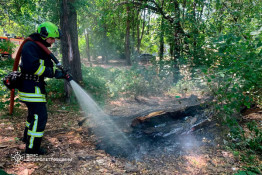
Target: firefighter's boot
[36,147]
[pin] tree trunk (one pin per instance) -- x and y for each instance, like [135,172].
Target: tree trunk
[177,45]
[127,39]
[105,45]
[161,49]
[195,32]
[69,41]
[87,46]
[139,37]
[171,50]
[134,24]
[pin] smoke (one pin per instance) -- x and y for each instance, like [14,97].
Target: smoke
[111,131]
[102,124]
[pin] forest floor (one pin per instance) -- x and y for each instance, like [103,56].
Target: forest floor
[72,147]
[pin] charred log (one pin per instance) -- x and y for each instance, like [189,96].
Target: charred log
[157,117]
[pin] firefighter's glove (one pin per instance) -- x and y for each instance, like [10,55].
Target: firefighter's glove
[59,74]
[68,77]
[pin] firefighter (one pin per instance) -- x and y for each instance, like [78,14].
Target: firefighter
[35,66]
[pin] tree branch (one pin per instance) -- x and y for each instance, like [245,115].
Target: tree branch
[235,20]
[155,7]
[143,4]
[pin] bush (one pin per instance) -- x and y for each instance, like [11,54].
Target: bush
[235,78]
[6,66]
[113,83]
[7,46]
[54,89]
[94,79]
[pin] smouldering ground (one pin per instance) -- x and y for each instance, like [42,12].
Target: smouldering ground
[64,138]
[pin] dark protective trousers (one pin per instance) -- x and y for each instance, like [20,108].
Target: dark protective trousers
[35,126]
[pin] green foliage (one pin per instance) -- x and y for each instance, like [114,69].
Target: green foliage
[245,140]
[82,46]
[254,139]
[113,83]
[141,80]
[94,79]
[18,17]
[6,66]
[233,71]
[54,89]
[22,17]
[7,46]
[235,79]
[249,171]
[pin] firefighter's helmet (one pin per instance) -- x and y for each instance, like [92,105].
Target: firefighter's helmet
[48,30]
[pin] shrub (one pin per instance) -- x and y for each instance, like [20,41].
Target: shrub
[7,46]
[115,82]
[235,78]
[6,66]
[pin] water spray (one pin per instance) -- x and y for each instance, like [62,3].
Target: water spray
[103,125]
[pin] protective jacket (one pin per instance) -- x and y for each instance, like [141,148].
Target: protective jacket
[35,63]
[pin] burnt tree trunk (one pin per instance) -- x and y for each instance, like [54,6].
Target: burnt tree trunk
[69,41]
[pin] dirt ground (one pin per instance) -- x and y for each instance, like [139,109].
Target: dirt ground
[71,148]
